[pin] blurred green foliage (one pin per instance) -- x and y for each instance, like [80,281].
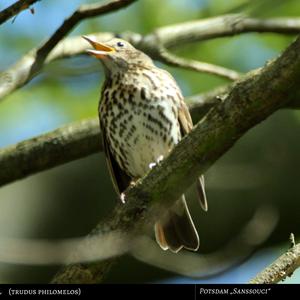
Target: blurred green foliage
[68,201]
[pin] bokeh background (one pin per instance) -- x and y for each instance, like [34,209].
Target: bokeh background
[68,201]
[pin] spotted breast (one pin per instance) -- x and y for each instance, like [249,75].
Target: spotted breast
[140,118]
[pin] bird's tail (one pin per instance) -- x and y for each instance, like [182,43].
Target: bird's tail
[176,230]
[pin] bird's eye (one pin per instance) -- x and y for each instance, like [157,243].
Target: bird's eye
[120,44]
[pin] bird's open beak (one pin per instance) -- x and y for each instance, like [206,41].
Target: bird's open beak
[101,50]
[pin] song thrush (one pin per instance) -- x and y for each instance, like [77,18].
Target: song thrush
[142,117]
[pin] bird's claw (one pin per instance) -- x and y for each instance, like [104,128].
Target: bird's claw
[153,164]
[132,183]
[122,198]
[160,158]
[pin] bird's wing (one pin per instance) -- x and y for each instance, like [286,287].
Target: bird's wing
[119,178]
[186,125]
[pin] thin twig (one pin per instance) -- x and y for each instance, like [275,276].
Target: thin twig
[170,36]
[30,64]
[15,9]
[281,268]
[174,60]
[221,26]
[200,104]
[292,240]
[83,12]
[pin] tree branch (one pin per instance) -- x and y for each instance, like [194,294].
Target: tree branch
[49,150]
[73,141]
[250,101]
[110,244]
[57,251]
[29,65]
[83,12]
[283,267]
[15,9]
[170,36]
[171,59]
[222,26]
[82,138]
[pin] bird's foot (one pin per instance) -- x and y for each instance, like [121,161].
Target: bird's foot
[160,158]
[153,164]
[132,183]
[122,198]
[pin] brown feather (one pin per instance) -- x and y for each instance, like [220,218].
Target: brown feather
[186,124]
[200,185]
[119,178]
[175,229]
[160,236]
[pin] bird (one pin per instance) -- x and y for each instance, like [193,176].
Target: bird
[142,117]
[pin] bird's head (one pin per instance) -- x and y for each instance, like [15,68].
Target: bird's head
[118,55]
